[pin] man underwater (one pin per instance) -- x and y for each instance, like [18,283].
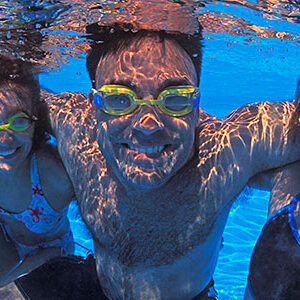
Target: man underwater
[155,176]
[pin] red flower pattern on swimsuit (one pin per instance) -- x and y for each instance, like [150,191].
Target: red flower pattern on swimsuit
[36,189]
[38,217]
[36,213]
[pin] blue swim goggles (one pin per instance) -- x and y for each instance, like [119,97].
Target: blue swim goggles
[118,100]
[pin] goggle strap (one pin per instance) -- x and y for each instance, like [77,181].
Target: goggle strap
[196,100]
[97,98]
[4,126]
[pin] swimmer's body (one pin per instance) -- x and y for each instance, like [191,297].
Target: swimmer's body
[155,190]
[33,207]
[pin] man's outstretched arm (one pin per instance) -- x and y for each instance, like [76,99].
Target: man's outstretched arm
[253,139]
[283,182]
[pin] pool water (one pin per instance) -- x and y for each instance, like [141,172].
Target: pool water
[251,52]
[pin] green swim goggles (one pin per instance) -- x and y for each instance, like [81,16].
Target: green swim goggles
[18,122]
[118,100]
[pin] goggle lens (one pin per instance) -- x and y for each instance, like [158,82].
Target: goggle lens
[117,103]
[176,103]
[18,122]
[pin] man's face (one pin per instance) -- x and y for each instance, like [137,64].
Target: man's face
[146,147]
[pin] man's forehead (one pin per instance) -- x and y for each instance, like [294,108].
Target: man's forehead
[147,61]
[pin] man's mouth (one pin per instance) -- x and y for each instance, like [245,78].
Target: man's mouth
[146,149]
[145,163]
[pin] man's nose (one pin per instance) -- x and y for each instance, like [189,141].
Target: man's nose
[4,136]
[147,121]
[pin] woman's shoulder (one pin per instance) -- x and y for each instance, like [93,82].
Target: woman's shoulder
[54,179]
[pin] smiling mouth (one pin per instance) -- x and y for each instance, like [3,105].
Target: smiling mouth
[153,149]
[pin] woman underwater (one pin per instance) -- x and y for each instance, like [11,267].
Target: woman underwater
[35,189]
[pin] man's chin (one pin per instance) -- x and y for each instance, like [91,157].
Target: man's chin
[147,181]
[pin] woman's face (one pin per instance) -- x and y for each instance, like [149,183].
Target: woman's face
[15,146]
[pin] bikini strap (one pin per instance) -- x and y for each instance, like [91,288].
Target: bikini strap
[292,220]
[35,179]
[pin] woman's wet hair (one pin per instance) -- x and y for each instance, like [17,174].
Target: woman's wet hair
[110,39]
[18,74]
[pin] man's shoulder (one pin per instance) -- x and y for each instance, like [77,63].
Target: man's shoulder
[67,99]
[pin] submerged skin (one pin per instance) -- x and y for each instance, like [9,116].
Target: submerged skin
[16,190]
[157,219]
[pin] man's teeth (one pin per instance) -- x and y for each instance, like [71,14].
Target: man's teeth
[8,152]
[146,150]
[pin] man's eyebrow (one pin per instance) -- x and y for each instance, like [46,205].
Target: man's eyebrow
[165,84]
[173,82]
[127,83]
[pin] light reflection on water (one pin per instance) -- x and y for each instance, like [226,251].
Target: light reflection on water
[242,230]
[251,53]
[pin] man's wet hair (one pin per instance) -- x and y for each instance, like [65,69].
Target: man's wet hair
[109,39]
[17,73]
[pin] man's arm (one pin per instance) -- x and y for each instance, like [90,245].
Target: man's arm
[284,182]
[253,139]
[286,185]
[270,132]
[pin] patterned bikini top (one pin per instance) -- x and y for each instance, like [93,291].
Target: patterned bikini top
[39,217]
